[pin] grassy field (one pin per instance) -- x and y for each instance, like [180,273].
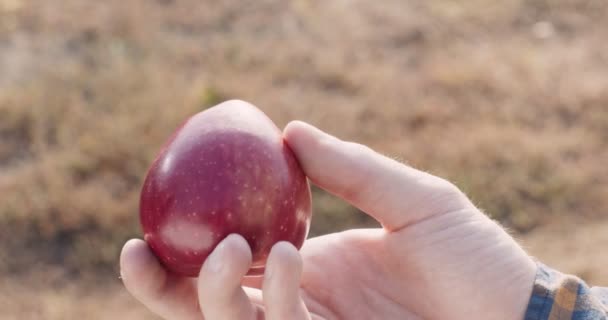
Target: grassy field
[507,99]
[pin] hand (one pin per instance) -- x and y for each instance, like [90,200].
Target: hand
[436,257]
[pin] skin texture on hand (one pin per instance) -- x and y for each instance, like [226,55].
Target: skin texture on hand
[436,257]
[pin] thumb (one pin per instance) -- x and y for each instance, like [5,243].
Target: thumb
[394,194]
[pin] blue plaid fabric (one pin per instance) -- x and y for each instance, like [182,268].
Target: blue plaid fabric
[558,296]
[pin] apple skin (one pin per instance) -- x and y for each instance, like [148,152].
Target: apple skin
[225,170]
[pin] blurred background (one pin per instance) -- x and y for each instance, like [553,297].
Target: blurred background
[508,99]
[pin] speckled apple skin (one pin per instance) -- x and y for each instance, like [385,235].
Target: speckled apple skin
[226,170]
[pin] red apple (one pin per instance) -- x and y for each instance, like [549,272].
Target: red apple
[226,170]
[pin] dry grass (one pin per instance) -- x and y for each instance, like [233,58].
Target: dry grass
[505,98]
[55,296]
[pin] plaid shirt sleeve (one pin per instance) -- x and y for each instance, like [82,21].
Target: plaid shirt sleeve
[558,296]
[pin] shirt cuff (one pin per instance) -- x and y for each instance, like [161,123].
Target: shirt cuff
[557,296]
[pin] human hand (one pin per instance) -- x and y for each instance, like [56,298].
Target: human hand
[435,257]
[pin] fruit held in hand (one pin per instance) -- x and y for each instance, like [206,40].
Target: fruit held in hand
[226,170]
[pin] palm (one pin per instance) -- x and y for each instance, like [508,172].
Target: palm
[415,272]
[343,278]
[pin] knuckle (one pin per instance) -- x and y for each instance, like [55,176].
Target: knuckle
[448,188]
[451,195]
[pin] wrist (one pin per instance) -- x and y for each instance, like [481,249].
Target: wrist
[514,290]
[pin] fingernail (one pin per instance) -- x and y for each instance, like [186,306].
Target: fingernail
[268,273]
[215,261]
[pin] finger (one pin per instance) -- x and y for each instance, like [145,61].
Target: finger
[394,194]
[219,284]
[167,295]
[281,289]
